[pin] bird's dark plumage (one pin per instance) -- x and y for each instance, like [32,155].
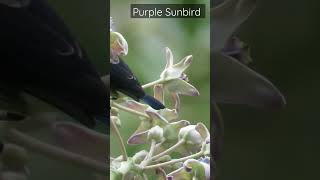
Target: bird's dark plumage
[123,80]
[39,56]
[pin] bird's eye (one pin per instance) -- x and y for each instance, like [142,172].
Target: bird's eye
[131,77]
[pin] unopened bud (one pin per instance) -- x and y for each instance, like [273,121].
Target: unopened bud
[114,111]
[116,120]
[139,157]
[190,135]
[155,133]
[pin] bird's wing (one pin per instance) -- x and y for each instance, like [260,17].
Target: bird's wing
[39,55]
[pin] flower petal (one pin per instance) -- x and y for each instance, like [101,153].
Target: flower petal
[235,83]
[183,64]
[176,100]
[159,92]
[81,140]
[144,126]
[169,57]
[226,19]
[180,124]
[157,119]
[202,129]
[134,105]
[169,114]
[138,138]
[181,87]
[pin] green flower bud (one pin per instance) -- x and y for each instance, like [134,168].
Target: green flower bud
[190,135]
[116,120]
[155,133]
[114,111]
[139,157]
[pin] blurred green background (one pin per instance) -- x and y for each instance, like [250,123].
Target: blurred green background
[147,39]
[263,145]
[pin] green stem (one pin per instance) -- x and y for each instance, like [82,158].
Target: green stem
[147,159]
[152,83]
[172,148]
[145,177]
[129,110]
[118,135]
[36,146]
[193,156]
[152,148]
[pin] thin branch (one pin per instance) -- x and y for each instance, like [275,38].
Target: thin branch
[148,157]
[130,110]
[193,156]
[172,148]
[159,81]
[118,135]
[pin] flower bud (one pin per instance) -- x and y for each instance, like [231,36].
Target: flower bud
[155,133]
[190,135]
[139,156]
[116,120]
[114,111]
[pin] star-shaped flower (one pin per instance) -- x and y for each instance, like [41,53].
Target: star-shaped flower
[174,78]
[170,130]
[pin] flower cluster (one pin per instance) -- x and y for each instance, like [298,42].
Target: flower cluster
[178,149]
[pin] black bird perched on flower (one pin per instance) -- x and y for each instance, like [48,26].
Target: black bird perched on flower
[122,78]
[39,57]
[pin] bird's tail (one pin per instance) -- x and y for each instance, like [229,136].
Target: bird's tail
[154,103]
